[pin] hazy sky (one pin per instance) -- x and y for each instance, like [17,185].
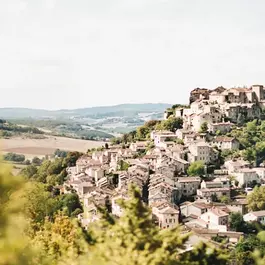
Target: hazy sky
[80,53]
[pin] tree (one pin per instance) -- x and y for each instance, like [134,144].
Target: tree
[61,241]
[142,132]
[249,154]
[245,249]
[237,222]
[241,119]
[224,199]
[123,166]
[60,153]
[36,161]
[204,127]
[71,202]
[196,168]
[29,171]
[71,158]
[171,124]
[256,199]
[38,204]
[14,244]
[14,157]
[214,197]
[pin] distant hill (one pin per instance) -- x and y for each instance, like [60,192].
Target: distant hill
[117,110]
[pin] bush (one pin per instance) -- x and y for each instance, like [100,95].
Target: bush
[14,157]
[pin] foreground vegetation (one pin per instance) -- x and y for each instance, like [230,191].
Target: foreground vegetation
[39,226]
[35,231]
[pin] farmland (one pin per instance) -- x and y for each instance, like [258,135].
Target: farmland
[41,147]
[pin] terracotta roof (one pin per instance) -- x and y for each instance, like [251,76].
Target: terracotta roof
[224,139]
[218,212]
[189,179]
[169,210]
[215,189]
[258,213]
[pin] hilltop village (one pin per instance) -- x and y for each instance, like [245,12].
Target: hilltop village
[199,172]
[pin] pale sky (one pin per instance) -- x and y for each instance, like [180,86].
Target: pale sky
[80,53]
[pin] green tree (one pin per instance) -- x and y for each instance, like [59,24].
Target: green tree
[224,199]
[204,127]
[71,202]
[71,158]
[123,165]
[14,157]
[171,124]
[237,222]
[36,161]
[38,203]
[250,248]
[256,199]
[14,244]
[29,171]
[61,241]
[142,132]
[196,168]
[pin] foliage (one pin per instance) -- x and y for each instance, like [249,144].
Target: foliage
[14,157]
[14,245]
[71,202]
[245,248]
[143,132]
[123,166]
[237,222]
[61,241]
[170,124]
[60,153]
[36,161]
[251,138]
[52,172]
[224,199]
[196,168]
[256,199]
[10,127]
[204,127]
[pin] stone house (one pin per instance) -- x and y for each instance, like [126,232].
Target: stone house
[260,171]
[161,137]
[138,146]
[194,209]
[215,217]
[258,216]
[202,151]
[245,176]
[166,215]
[161,178]
[226,143]
[189,185]
[207,193]
[238,206]
[223,127]
[214,184]
[235,165]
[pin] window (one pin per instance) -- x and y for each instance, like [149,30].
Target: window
[170,220]
[166,220]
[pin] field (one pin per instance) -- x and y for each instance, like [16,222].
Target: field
[42,147]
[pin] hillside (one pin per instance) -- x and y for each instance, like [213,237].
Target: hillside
[117,110]
[88,123]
